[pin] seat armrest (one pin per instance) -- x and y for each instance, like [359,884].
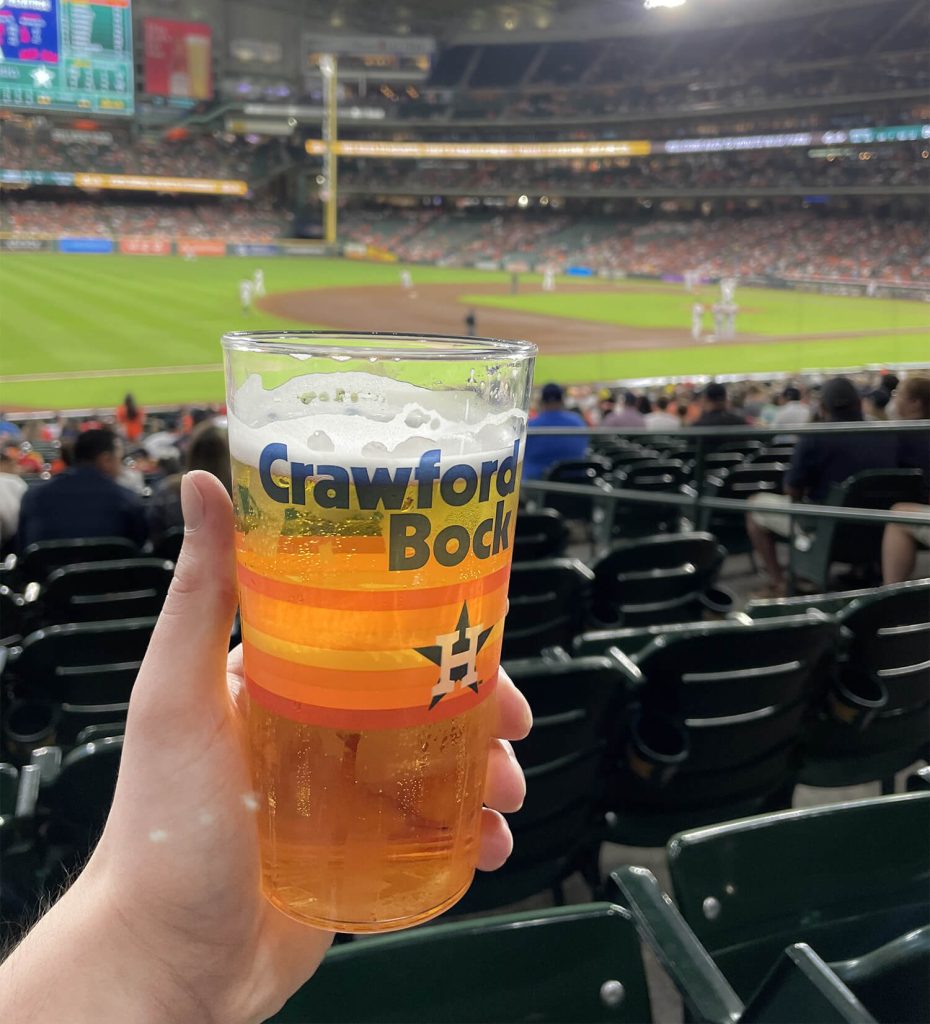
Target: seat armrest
[706,992]
[27,794]
[48,761]
[556,655]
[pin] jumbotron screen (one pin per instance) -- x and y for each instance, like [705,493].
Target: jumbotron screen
[70,55]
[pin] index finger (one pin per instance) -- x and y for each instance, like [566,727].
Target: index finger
[515,719]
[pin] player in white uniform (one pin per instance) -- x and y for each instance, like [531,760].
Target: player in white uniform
[406,280]
[258,281]
[548,281]
[728,290]
[246,290]
[697,321]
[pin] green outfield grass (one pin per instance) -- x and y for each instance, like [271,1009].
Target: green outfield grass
[63,314]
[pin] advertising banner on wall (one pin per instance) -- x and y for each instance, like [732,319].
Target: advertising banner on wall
[177,59]
[201,247]
[140,246]
[85,245]
[254,249]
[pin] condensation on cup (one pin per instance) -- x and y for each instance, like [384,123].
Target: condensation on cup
[375,483]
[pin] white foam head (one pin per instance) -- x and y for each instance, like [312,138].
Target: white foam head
[356,418]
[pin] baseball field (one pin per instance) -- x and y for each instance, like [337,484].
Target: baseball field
[79,331]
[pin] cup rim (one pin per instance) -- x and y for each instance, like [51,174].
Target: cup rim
[380,344]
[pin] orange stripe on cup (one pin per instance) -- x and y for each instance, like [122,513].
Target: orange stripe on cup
[374,600]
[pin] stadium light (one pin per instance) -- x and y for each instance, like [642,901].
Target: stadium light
[651,5]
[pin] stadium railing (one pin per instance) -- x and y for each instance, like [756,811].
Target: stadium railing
[705,440]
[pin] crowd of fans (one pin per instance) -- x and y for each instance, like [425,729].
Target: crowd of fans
[187,156]
[232,220]
[789,245]
[885,166]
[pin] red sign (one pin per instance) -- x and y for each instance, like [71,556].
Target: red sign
[201,247]
[136,246]
[178,59]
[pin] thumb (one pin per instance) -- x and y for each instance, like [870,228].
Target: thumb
[185,664]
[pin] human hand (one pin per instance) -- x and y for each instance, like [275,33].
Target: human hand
[167,922]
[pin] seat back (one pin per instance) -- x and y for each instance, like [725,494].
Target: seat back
[860,543]
[539,534]
[829,604]
[654,579]
[39,560]
[741,482]
[168,546]
[660,476]
[77,662]
[101,591]
[80,797]
[497,969]
[576,705]
[845,878]
[738,694]
[585,472]
[549,602]
[633,639]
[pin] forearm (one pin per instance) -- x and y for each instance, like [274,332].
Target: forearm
[80,963]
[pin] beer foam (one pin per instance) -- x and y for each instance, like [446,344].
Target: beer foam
[356,418]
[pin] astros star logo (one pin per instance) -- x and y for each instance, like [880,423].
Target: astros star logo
[456,655]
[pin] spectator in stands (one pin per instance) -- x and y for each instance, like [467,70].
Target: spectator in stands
[542,452]
[875,405]
[177,868]
[85,500]
[818,462]
[131,419]
[715,411]
[606,403]
[9,431]
[628,416]
[793,412]
[660,418]
[12,489]
[209,450]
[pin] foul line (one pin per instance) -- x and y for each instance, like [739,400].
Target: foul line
[143,371]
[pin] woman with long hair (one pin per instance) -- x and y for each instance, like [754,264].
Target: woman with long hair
[131,419]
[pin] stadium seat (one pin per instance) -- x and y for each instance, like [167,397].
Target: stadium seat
[128,588]
[570,964]
[845,878]
[798,988]
[539,534]
[168,546]
[919,781]
[746,448]
[87,670]
[831,603]
[635,519]
[655,579]
[715,735]
[39,560]
[549,602]
[816,547]
[11,617]
[631,640]
[577,703]
[9,784]
[581,472]
[556,833]
[740,482]
[875,718]
[625,459]
[774,453]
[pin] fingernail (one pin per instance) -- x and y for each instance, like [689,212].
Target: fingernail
[191,504]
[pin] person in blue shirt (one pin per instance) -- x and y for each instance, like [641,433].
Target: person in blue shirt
[542,452]
[85,500]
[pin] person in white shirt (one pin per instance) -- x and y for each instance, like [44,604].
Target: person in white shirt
[406,280]
[12,489]
[246,289]
[258,281]
[548,281]
[661,418]
[794,412]
[697,321]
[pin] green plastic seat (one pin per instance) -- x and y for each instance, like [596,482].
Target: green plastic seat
[549,602]
[569,964]
[845,878]
[633,639]
[39,560]
[636,519]
[577,704]
[739,482]
[654,579]
[816,546]
[539,534]
[886,657]
[128,588]
[716,733]
[78,800]
[586,472]
[830,604]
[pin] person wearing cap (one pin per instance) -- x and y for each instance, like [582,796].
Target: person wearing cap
[875,405]
[628,416]
[818,462]
[544,450]
[715,410]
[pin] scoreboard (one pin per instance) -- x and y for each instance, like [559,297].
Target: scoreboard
[68,55]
